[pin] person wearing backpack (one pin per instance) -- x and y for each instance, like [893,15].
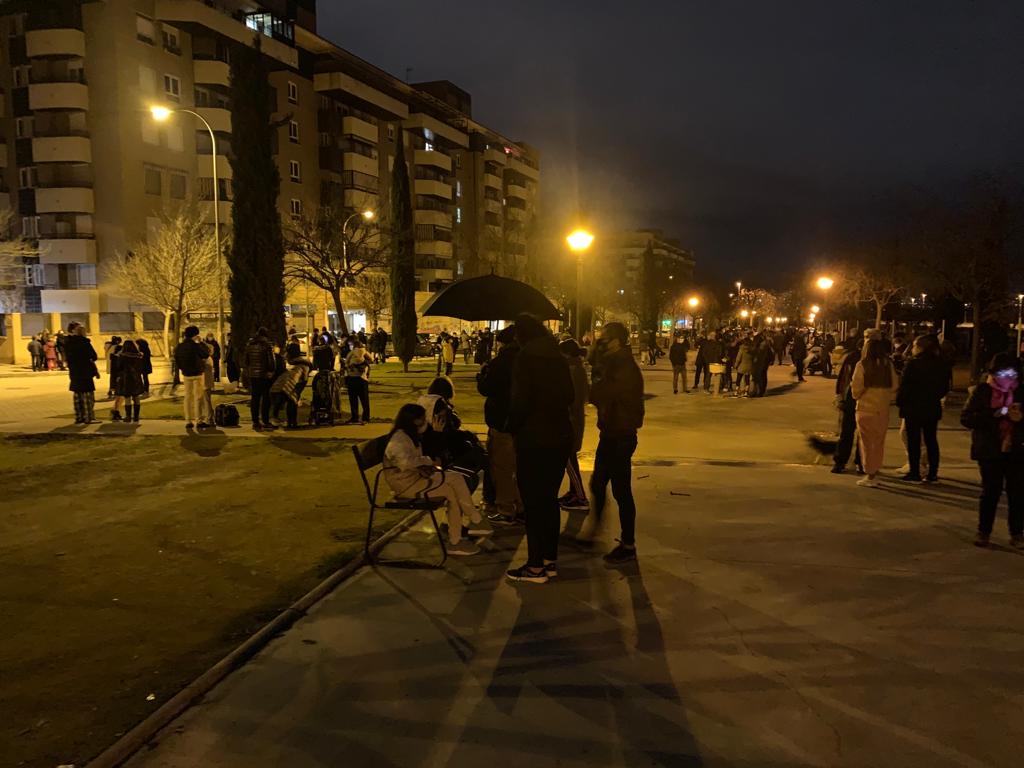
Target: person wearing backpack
[260,367]
[357,382]
[190,357]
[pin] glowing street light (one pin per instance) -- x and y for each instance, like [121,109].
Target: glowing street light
[815,309]
[744,314]
[162,114]
[694,302]
[579,241]
[824,283]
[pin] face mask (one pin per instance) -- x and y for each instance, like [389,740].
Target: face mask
[421,427]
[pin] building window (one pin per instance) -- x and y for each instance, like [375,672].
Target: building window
[458,215]
[178,185]
[172,88]
[30,226]
[154,182]
[391,132]
[27,177]
[17,25]
[23,127]
[293,132]
[295,170]
[144,28]
[21,76]
[293,93]
[458,159]
[458,189]
[325,139]
[147,80]
[428,146]
[296,208]
[172,43]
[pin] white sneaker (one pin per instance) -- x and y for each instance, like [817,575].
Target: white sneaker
[463,548]
[867,482]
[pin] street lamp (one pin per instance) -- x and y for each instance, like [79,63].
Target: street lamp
[694,302]
[368,216]
[579,241]
[163,114]
[824,283]
[815,309]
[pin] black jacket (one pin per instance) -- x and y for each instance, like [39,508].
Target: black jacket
[495,383]
[190,357]
[712,351]
[81,359]
[678,351]
[799,349]
[924,383]
[542,393]
[618,393]
[259,358]
[986,437]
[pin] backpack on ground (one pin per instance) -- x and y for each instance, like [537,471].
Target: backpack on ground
[225,415]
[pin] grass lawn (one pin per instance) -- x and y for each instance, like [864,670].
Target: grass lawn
[131,565]
[390,388]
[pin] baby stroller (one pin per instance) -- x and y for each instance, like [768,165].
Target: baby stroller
[326,405]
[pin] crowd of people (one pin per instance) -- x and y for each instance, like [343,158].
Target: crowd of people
[47,351]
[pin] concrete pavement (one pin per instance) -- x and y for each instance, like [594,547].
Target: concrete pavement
[778,616]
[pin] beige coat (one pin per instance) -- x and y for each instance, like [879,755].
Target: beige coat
[873,399]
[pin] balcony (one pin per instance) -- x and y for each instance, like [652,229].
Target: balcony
[65,200]
[211,72]
[75,249]
[516,191]
[326,82]
[432,158]
[519,166]
[434,275]
[223,208]
[218,118]
[433,188]
[492,181]
[515,214]
[54,42]
[58,96]
[71,300]
[354,126]
[204,167]
[493,155]
[62,149]
[433,218]
[192,12]
[426,122]
[436,248]
[360,200]
[494,206]
[353,161]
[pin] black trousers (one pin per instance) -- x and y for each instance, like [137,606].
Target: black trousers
[996,474]
[799,365]
[915,429]
[847,433]
[216,369]
[358,393]
[259,401]
[706,369]
[539,470]
[614,462]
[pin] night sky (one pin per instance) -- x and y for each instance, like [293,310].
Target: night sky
[761,133]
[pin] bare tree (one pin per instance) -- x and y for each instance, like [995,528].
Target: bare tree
[14,250]
[175,270]
[373,291]
[877,275]
[331,250]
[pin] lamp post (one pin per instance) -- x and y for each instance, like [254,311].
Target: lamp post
[824,284]
[162,114]
[579,241]
[693,302]
[368,216]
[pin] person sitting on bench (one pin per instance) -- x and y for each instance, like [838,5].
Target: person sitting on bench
[409,473]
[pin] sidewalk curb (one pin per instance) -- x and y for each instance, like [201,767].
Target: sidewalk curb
[137,738]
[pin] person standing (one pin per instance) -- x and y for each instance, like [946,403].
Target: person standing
[259,367]
[58,343]
[847,408]
[190,357]
[576,498]
[357,382]
[129,385]
[542,393]
[494,382]
[994,413]
[214,346]
[677,356]
[447,354]
[798,354]
[873,386]
[50,353]
[700,365]
[231,366]
[744,368]
[618,393]
[35,349]
[82,373]
[114,366]
[924,383]
[712,351]
[147,363]
[110,350]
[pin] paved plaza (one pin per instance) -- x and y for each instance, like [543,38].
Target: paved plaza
[778,616]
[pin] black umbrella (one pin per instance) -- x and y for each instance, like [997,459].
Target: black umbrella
[489,298]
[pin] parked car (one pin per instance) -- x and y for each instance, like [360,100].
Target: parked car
[424,346]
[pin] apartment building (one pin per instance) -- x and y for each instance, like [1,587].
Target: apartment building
[91,171]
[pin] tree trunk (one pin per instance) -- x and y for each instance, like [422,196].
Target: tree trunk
[975,340]
[879,308]
[170,350]
[340,309]
[167,335]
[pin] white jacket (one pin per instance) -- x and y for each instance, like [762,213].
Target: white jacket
[402,460]
[873,399]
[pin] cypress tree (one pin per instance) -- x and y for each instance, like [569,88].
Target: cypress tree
[403,259]
[256,258]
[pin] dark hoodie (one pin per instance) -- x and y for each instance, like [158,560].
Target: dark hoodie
[495,383]
[542,392]
[619,394]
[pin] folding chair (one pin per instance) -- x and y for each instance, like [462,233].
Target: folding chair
[370,455]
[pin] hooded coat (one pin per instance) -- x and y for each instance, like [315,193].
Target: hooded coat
[542,392]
